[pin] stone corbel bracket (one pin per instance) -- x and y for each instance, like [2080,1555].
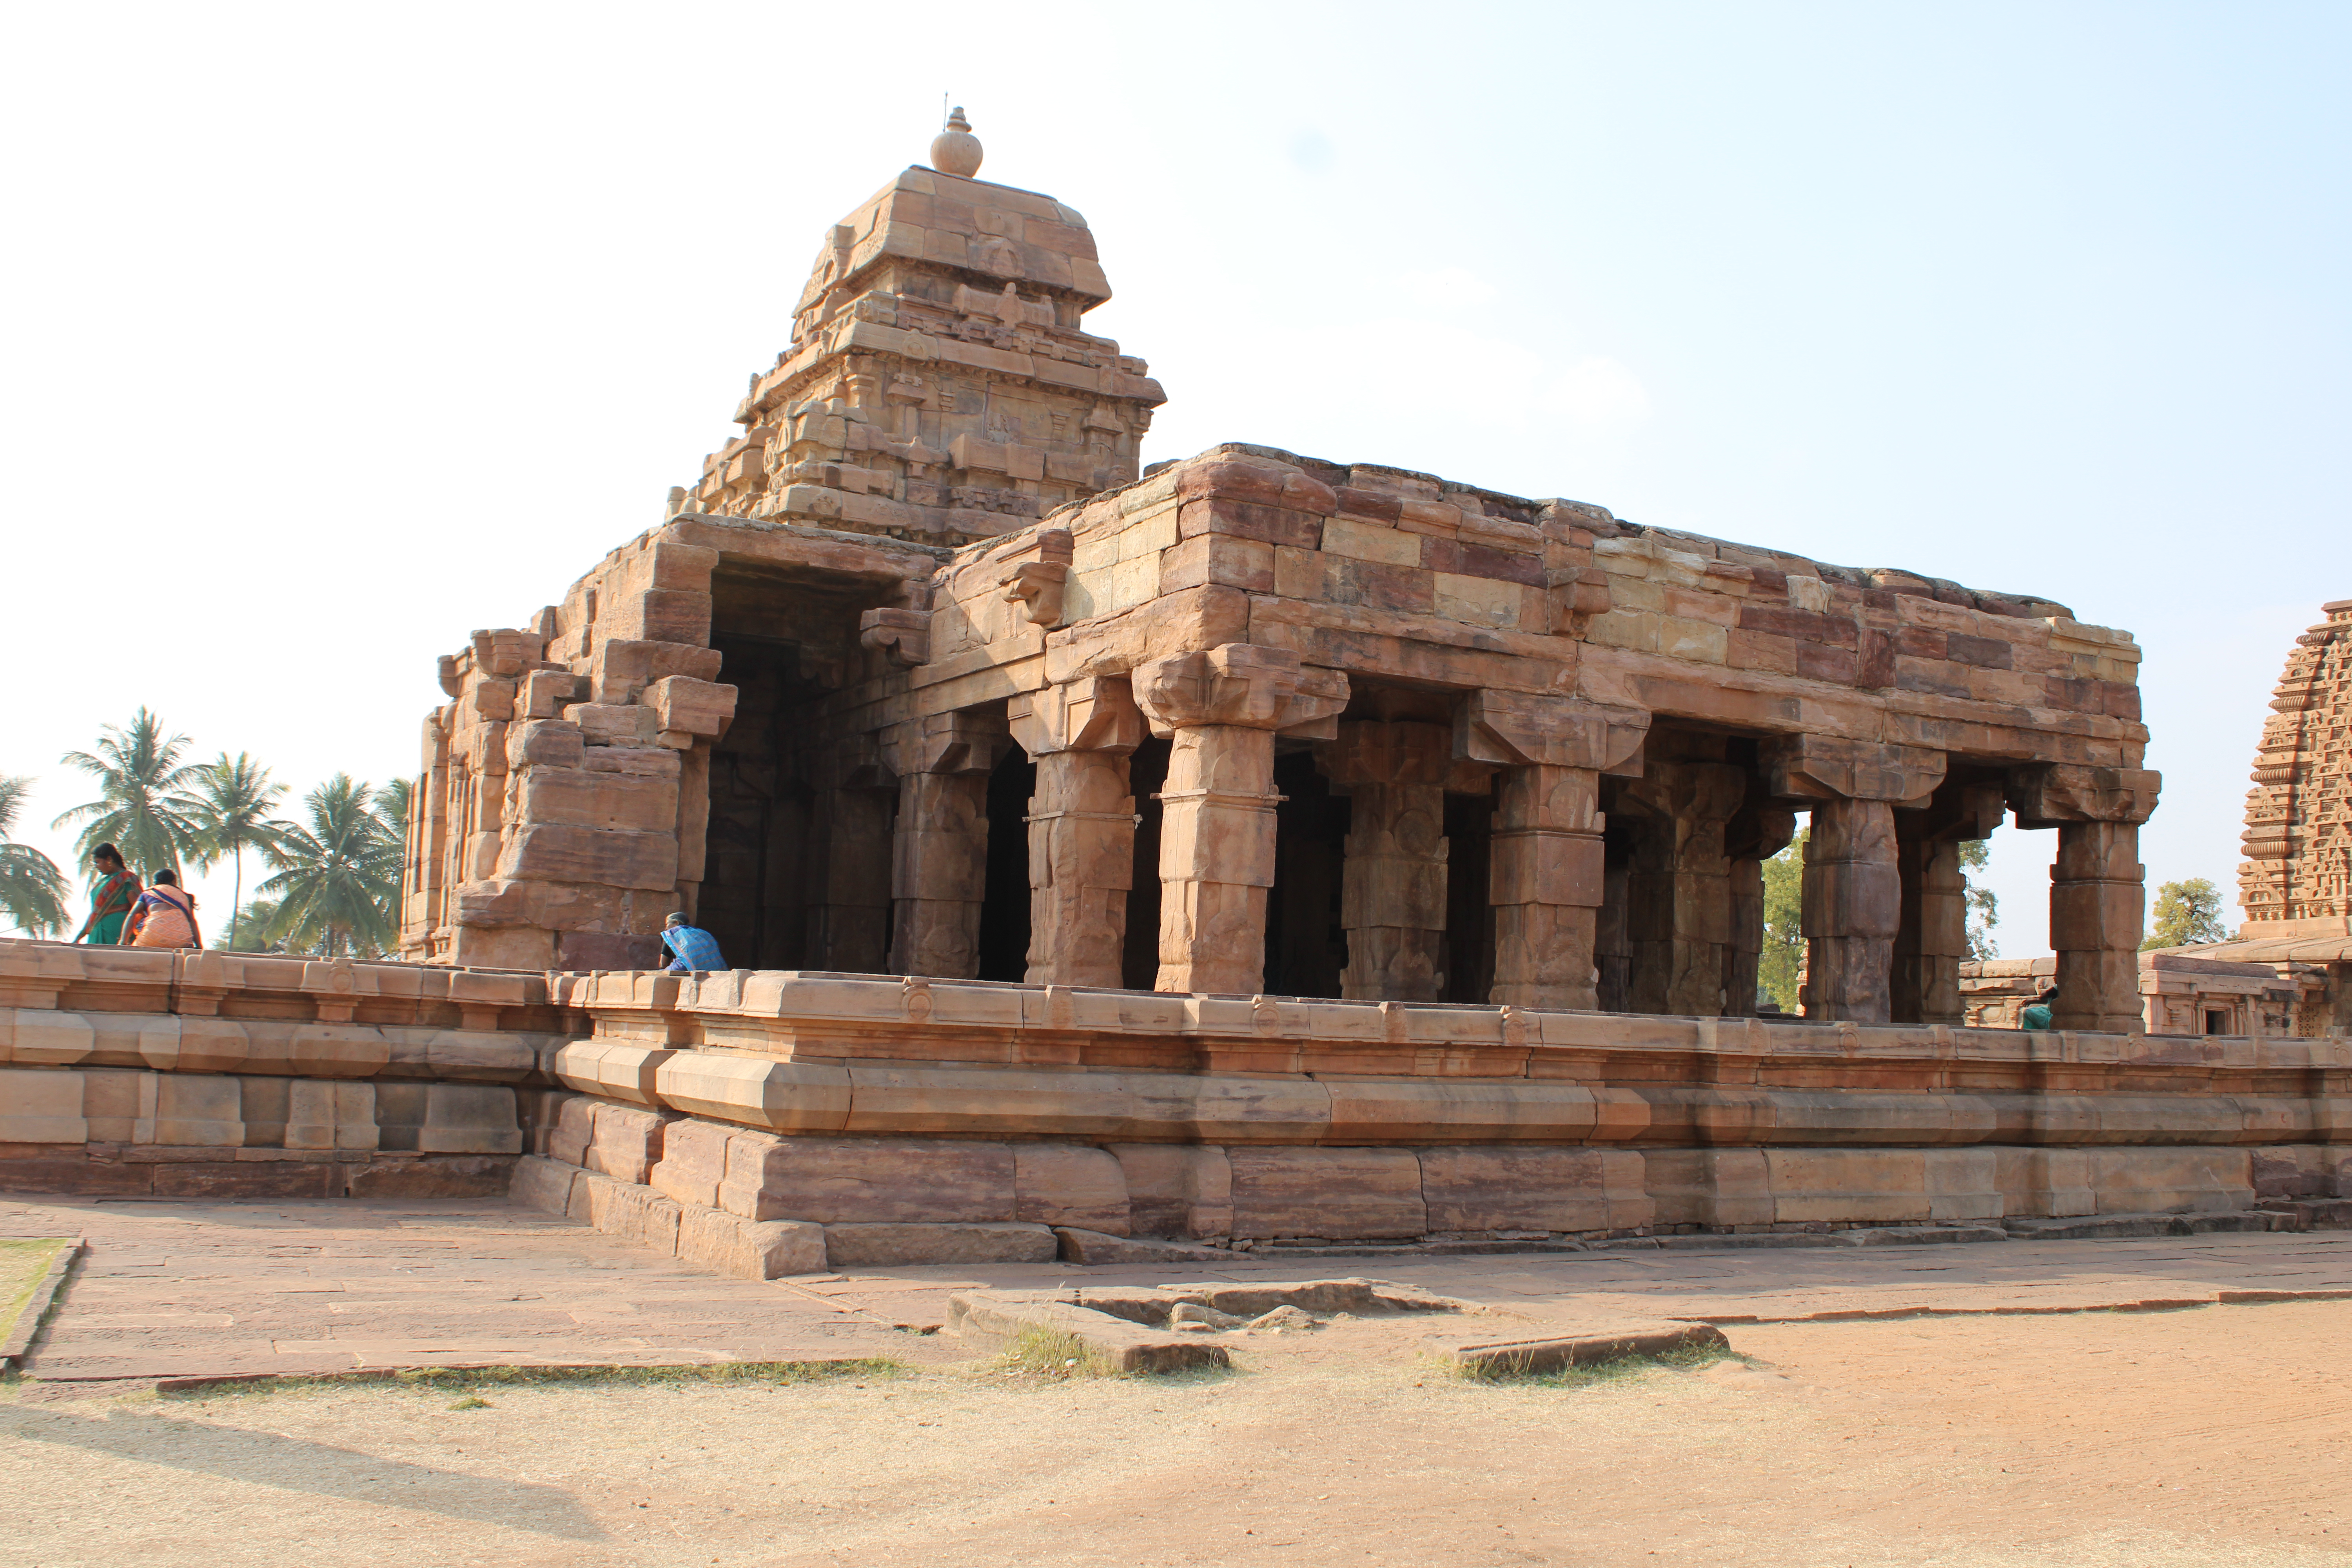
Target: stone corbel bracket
[1242,685]
[1518,729]
[1830,767]
[1035,573]
[968,741]
[2053,792]
[904,637]
[1093,713]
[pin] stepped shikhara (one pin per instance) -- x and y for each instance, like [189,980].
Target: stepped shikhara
[938,386]
[2296,879]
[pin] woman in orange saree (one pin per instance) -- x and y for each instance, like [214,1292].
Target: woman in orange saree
[165,915]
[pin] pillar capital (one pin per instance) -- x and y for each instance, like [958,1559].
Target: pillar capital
[966,741]
[1242,685]
[2056,793]
[1516,729]
[1092,713]
[1834,767]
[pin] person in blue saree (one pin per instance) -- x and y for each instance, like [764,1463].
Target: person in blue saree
[691,947]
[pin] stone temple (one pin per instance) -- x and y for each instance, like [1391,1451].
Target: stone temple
[1249,851]
[924,677]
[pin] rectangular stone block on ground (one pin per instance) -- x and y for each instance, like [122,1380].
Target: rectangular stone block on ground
[693,1162]
[2170,1181]
[542,1184]
[627,1141]
[1848,1185]
[747,1248]
[1069,1184]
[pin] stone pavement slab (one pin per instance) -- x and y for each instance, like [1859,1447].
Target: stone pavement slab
[1731,1286]
[180,1289]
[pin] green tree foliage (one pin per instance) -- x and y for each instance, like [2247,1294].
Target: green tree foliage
[2187,911]
[33,891]
[235,811]
[339,876]
[1984,905]
[144,806]
[391,803]
[1784,942]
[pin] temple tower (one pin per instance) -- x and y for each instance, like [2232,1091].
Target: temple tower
[2296,879]
[938,387]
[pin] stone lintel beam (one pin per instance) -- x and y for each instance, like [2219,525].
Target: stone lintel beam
[1392,891]
[2053,794]
[1221,711]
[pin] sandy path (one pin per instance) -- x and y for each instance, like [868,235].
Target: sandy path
[2205,1436]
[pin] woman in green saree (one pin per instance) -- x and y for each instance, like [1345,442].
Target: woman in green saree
[110,900]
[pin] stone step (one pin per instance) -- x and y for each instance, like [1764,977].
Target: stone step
[2118,1227]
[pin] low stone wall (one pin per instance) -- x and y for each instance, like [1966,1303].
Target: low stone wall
[912,1118]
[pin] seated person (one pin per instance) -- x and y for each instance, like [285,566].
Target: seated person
[691,947]
[2037,1016]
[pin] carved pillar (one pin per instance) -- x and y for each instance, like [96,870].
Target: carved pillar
[1753,836]
[1681,887]
[2099,900]
[1393,892]
[1081,827]
[1931,940]
[1221,710]
[1853,898]
[938,851]
[1545,881]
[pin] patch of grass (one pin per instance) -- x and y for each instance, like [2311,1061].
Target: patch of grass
[471,1402]
[1616,1369]
[23,1264]
[1051,1352]
[470,1380]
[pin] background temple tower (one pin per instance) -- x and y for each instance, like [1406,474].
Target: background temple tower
[2296,879]
[938,387]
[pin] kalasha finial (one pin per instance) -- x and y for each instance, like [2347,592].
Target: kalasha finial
[956,151]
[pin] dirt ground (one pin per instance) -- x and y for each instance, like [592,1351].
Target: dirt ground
[2211,1435]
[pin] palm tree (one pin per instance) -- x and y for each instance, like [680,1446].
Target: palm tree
[143,806]
[392,803]
[32,890]
[339,876]
[234,804]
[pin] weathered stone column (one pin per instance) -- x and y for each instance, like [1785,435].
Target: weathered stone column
[1752,837]
[938,851]
[1393,892]
[1221,710]
[1932,938]
[1081,827]
[1685,972]
[1853,900]
[2099,900]
[1545,881]
[849,923]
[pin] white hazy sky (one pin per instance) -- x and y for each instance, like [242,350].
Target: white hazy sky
[334,331]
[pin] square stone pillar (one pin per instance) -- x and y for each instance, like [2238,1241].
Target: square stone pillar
[1392,892]
[1680,887]
[2097,886]
[1546,865]
[938,850]
[1081,827]
[1931,940]
[1220,710]
[1852,892]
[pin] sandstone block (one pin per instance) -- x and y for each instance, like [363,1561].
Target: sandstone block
[433,1176]
[750,1250]
[693,1162]
[1533,1189]
[1848,1183]
[195,1109]
[1708,1186]
[1095,1246]
[787,1097]
[574,1127]
[627,1142]
[908,1244]
[544,742]
[324,1114]
[542,1184]
[556,852]
[2170,1181]
[113,1101]
[41,1106]
[586,797]
[1336,1194]
[697,707]
[869,1180]
[43,1038]
[1176,1189]
[990,1319]
[1068,1184]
